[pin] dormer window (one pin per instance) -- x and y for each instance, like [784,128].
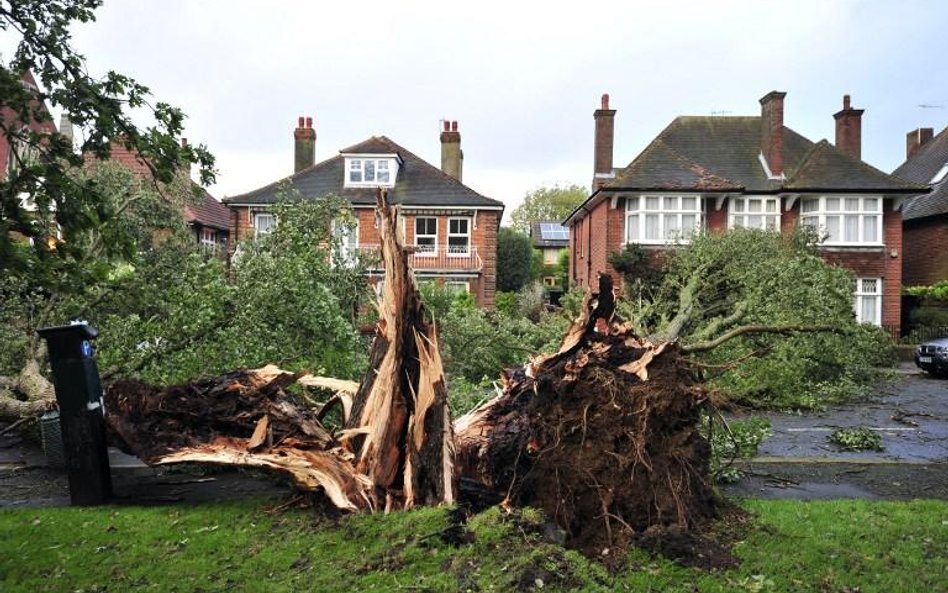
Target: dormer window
[374,171]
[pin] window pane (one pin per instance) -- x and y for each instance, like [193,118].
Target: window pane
[868,313]
[738,205]
[632,228]
[810,205]
[651,226]
[689,203]
[771,205]
[689,224]
[738,222]
[852,204]
[671,226]
[671,203]
[460,226]
[832,228]
[755,222]
[651,203]
[870,229]
[852,228]
[832,204]
[633,203]
[811,221]
[771,223]
[870,285]
[369,174]
[382,176]
[453,225]
[871,205]
[754,205]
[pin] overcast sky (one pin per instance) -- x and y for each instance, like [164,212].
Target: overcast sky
[522,79]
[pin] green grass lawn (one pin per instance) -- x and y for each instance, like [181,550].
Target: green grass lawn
[830,546]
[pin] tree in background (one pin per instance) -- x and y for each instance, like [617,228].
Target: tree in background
[547,203]
[514,260]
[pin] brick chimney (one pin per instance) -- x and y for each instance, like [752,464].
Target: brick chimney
[917,139]
[304,136]
[771,131]
[452,157]
[849,130]
[603,143]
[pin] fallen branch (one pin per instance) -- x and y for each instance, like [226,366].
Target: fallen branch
[756,329]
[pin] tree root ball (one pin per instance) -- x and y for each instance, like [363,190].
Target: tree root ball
[605,453]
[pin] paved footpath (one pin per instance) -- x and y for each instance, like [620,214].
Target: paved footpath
[910,413]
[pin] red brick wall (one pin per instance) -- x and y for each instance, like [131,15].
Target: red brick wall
[925,247]
[715,220]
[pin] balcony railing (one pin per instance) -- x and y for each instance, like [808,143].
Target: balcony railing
[430,257]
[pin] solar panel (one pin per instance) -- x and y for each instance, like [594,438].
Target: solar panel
[553,232]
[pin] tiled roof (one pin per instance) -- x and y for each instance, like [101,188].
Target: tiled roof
[922,167]
[418,183]
[713,153]
[208,211]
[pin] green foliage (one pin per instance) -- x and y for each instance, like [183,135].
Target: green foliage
[738,439]
[547,203]
[806,547]
[514,259]
[465,395]
[747,277]
[937,291]
[292,301]
[856,439]
[476,344]
[506,302]
[45,161]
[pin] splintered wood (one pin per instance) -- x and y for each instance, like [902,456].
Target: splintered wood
[397,446]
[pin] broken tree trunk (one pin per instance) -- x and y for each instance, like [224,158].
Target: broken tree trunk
[397,447]
[400,428]
[603,436]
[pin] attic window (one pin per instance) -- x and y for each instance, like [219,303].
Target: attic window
[370,172]
[940,175]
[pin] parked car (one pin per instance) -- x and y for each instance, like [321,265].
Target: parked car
[933,356]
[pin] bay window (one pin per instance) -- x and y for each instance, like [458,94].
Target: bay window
[661,219]
[844,220]
[754,213]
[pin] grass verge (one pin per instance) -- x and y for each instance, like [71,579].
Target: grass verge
[827,546]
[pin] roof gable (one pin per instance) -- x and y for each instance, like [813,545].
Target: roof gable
[417,183]
[207,211]
[921,168]
[825,168]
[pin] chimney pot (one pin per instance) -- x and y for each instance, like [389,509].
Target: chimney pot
[309,122]
[605,101]
[447,125]
[454,126]
[845,101]
[184,143]
[300,122]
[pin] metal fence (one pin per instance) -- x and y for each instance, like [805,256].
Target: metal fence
[917,335]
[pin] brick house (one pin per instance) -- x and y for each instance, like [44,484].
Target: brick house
[207,219]
[719,172]
[925,227]
[453,228]
[550,238]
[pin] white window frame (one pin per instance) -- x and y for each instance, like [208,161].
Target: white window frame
[640,209]
[820,212]
[861,294]
[743,212]
[348,234]
[208,238]
[451,251]
[258,217]
[423,250]
[358,165]
[457,286]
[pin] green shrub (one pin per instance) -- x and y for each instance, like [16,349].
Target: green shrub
[738,439]
[856,439]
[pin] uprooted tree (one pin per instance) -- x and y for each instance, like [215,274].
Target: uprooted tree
[603,435]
